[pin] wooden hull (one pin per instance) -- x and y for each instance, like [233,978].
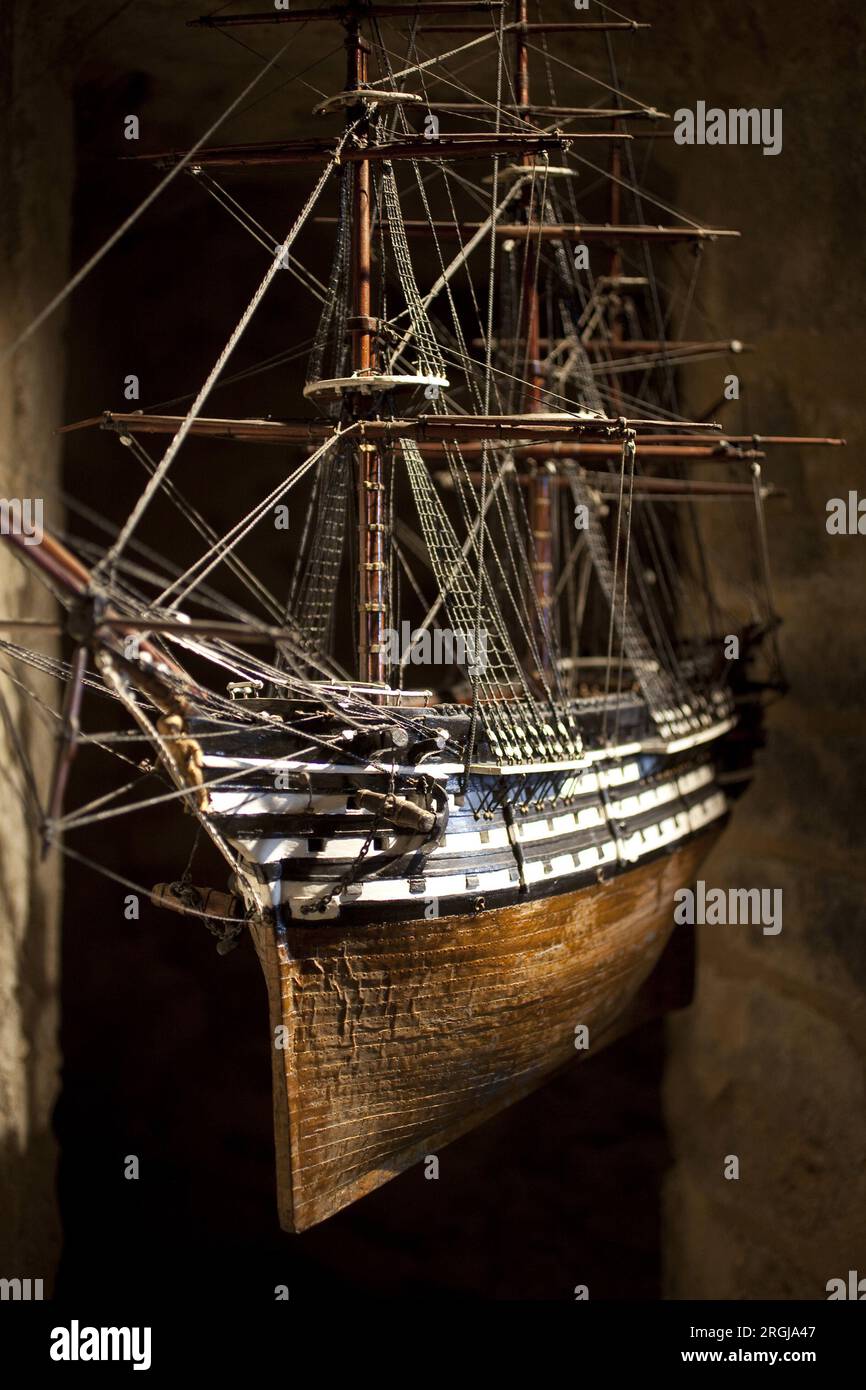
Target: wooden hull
[391,1041]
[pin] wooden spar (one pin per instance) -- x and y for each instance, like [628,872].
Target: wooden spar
[362,356]
[592,26]
[207,902]
[372,538]
[658,132]
[454,146]
[59,564]
[347,13]
[635,347]
[203,627]
[357,12]
[710,453]
[607,485]
[583,231]
[532,393]
[540,495]
[638,347]
[614,269]
[589,113]
[559,450]
[309,432]
[54,560]
[489,427]
[759,439]
[521,56]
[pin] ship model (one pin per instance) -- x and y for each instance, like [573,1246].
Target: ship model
[446,879]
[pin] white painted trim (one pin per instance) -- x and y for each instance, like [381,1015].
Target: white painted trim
[268,849]
[633,849]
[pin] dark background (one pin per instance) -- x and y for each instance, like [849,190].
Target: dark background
[609,1176]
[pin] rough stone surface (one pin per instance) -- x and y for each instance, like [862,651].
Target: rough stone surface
[36,177]
[768,1064]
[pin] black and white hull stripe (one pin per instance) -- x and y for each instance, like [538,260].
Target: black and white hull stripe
[304,848]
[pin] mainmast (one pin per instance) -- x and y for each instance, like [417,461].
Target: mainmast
[372,522]
[540,491]
[615,271]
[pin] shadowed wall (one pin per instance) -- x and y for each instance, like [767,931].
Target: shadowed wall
[36,176]
[768,1065]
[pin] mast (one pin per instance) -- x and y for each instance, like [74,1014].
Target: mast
[614,272]
[372,537]
[540,492]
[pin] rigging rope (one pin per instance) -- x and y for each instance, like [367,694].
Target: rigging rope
[133,217]
[204,392]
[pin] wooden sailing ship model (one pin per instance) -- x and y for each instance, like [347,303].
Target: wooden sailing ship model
[443,883]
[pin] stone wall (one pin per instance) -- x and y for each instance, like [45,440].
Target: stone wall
[36,161]
[768,1064]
